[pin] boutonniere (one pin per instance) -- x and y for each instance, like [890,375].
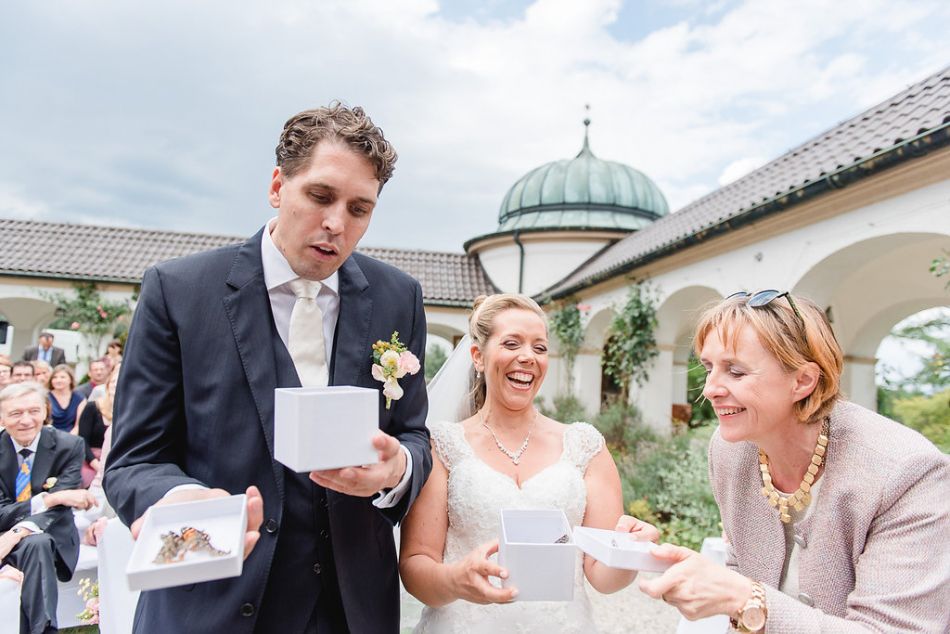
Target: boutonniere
[391,362]
[49,484]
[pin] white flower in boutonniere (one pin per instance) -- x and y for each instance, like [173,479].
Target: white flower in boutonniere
[391,362]
[49,484]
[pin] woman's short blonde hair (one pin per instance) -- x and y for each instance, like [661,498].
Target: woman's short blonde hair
[481,326]
[794,339]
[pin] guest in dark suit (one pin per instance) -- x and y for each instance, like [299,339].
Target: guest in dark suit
[45,351]
[213,335]
[39,486]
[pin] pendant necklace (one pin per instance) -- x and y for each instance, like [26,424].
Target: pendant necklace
[802,496]
[514,455]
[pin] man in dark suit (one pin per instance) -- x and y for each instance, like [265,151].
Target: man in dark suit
[45,351]
[213,335]
[40,484]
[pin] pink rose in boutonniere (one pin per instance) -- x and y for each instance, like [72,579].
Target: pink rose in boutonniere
[391,362]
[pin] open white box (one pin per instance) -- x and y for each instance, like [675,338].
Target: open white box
[539,567]
[618,550]
[225,521]
[319,428]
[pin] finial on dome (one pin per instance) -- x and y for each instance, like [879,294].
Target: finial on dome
[586,148]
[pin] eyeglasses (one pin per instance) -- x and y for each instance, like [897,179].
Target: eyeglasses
[764,298]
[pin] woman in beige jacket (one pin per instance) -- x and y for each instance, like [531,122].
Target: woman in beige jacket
[837,519]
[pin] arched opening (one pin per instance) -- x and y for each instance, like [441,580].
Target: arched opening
[868,287]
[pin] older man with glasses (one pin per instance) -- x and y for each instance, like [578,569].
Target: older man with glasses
[40,484]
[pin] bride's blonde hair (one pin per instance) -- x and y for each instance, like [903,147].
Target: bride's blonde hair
[481,326]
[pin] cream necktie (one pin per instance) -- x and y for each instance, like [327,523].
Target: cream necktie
[305,339]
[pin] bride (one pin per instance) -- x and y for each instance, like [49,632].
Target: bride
[506,455]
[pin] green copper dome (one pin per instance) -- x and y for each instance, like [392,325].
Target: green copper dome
[584,192]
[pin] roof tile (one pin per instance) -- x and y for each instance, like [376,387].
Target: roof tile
[119,254]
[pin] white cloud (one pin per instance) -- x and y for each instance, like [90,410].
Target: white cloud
[166,114]
[739,168]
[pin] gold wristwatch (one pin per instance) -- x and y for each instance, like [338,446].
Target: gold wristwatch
[751,617]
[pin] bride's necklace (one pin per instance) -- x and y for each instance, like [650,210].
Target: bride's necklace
[514,455]
[802,496]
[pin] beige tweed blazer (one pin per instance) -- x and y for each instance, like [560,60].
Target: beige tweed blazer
[874,551]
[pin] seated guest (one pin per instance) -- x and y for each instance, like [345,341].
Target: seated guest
[45,351]
[65,404]
[21,371]
[41,372]
[837,519]
[39,487]
[93,423]
[98,371]
[6,371]
[114,351]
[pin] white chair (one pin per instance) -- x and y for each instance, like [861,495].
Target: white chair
[714,548]
[9,606]
[116,602]
[70,604]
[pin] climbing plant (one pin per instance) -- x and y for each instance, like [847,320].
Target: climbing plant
[88,313]
[566,326]
[631,341]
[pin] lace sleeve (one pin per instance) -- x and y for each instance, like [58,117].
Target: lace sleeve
[582,442]
[449,442]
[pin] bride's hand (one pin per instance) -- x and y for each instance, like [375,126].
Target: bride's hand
[470,577]
[638,529]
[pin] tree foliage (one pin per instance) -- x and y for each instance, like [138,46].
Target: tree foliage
[935,371]
[87,312]
[631,342]
[435,359]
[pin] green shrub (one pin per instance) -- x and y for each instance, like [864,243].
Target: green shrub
[670,475]
[622,427]
[930,415]
[566,409]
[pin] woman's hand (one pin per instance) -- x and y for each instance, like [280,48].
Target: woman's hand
[94,532]
[11,573]
[470,577]
[639,530]
[696,586]
[10,539]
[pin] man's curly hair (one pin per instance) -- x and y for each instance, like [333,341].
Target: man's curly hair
[338,122]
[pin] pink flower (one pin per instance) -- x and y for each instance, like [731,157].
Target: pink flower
[74,325]
[583,307]
[408,363]
[391,390]
[93,604]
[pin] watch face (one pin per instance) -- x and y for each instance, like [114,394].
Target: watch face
[753,618]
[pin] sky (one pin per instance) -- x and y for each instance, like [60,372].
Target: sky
[165,114]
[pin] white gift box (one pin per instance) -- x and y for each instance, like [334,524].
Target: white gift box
[539,567]
[223,519]
[319,428]
[618,550]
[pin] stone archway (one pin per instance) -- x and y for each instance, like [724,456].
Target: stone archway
[587,365]
[28,316]
[867,288]
[666,387]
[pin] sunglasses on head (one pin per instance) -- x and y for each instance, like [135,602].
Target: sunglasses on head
[764,298]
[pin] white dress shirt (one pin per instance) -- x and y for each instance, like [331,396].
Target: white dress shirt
[277,275]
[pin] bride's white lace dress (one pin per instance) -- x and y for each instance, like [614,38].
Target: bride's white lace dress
[476,494]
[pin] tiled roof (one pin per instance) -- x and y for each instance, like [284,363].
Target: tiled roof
[817,165]
[118,254]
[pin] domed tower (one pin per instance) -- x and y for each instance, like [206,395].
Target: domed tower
[558,215]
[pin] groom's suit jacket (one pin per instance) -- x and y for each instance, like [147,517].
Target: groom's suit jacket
[195,404]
